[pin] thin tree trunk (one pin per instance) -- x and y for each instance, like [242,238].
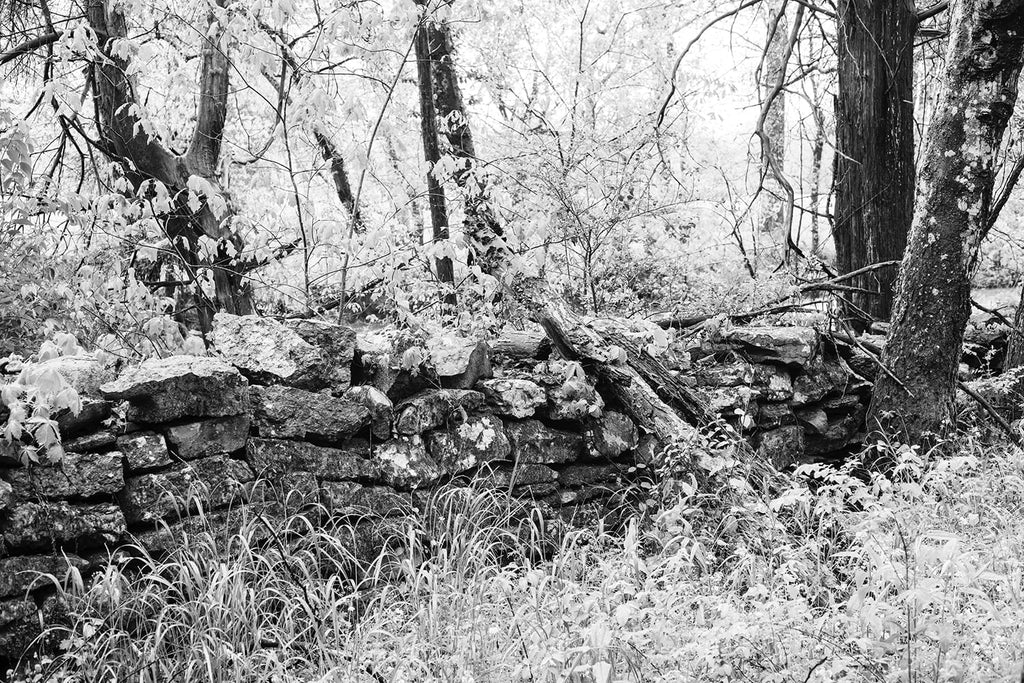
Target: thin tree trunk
[951,219]
[817,151]
[1015,343]
[874,147]
[771,237]
[482,226]
[432,151]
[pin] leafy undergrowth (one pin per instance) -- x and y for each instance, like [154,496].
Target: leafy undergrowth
[914,578]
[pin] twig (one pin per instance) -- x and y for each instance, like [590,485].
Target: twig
[993,413]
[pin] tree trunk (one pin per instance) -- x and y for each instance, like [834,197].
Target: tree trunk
[432,150]
[482,227]
[145,158]
[952,216]
[1015,343]
[874,147]
[771,236]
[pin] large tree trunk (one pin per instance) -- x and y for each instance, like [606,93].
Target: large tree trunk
[952,216]
[482,226]
[874,147]
[145,158]
[432,149]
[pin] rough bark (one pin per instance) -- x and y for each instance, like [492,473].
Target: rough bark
[772,230]
[432,150]
[145,158]
[874,147]
[482,226]
[951,218]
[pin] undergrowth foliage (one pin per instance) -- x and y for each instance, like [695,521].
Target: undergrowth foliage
[823,575]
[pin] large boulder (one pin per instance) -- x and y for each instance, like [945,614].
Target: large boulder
[75,476]
[767,344]
[168,389]
[514,397]
[272,458]
[459,361]
[534,442]
[434,408]
[35,525]
[208,437]
[308,354]
[477,440]
[215,481]
[287,413]
[405,464]
[144,450]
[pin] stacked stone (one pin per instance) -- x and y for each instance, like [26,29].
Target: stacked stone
[57,516]
[789,389]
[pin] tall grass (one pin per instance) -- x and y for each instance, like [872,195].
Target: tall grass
[831,578]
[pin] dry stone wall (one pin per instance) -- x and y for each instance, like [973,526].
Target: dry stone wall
[287,414]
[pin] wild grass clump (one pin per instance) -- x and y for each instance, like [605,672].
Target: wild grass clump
[831,577]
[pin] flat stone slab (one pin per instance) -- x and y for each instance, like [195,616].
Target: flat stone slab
[208,437]
[75,476]
[31,525]
[534,442]
[477,440]
[405,463]
[273,457]
[168,389]
[19,574]
[216,481]
[435,408]
[281,412]
[144,450]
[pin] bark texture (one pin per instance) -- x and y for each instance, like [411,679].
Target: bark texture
[772,233]
[482,226]
[432,148]
[875,147]
[145,158]
[951,218]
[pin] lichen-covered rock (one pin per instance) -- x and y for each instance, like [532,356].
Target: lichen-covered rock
[773,382]
[83,372]
[728,400]
[392,361]
[16,610]
[288,413]
[92,413]
[821,378]
[144,450]
[477,440]
[514,397]
[458,361]
[783,446]
[31,525]
[585,475]
[405,464]
[167,389]
[435,408]
[382,410]
[534,442]
[308,354]
[97,441]
[208,437]
[571,396]
[787,345]
[19,574]
[6,494]
[75,476]
[215,481]
[352,499]
[611,435]
[272,458]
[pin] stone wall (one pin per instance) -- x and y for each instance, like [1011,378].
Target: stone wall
[368,423]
